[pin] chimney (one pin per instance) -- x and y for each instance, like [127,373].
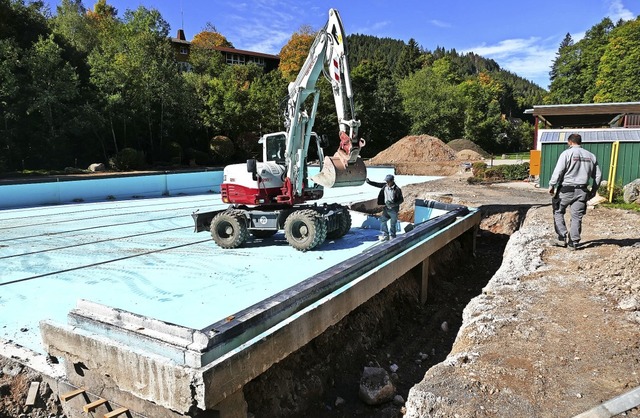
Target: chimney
[181,35]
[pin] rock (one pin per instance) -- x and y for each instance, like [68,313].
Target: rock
[394,368]
[629,303]
[339,401]
[375,386]
[444,326]
[96,167]
[631,192]
[398,400]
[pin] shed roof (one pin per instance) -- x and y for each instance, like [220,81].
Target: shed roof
[583,115]
[592,135]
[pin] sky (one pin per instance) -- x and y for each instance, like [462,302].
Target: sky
[522,37]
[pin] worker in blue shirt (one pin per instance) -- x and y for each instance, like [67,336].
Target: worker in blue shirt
[575,168]
[390,197]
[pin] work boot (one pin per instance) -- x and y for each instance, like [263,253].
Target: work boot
[561,241]
[573,245]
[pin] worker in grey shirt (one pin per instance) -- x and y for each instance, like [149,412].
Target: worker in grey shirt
[391,197]
[575,168]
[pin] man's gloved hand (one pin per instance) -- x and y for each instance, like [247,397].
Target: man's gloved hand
[551,190]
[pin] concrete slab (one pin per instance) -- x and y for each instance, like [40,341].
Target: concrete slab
[142,256]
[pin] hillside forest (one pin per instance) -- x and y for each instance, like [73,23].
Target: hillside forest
[83,85]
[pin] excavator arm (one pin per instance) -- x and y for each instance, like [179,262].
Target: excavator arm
[328,55]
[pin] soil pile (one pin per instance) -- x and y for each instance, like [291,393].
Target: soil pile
[420,155]
[465,144]
[415,149]
[469,155]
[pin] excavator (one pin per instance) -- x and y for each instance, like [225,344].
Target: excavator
[270,196]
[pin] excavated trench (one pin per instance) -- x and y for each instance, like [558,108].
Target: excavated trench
[393,331]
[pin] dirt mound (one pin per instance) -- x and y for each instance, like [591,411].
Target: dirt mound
[465,144]
[469,155]
[415,149]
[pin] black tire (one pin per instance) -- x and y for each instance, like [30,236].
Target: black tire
[263,233]
[344,222]
[304,230]
[229,229]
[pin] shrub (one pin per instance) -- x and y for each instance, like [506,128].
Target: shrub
[197,157]
[127,159]
[478,168]
[515,171]
[498,173]
[222,148]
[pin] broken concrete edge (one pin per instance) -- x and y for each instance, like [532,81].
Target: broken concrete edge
[37,362]
[140,324]
[147,376]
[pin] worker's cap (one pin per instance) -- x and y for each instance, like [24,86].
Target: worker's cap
[389,177]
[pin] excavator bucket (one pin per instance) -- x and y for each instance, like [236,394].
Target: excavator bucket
[337,173]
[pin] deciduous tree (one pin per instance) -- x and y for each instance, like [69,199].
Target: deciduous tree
[295,52]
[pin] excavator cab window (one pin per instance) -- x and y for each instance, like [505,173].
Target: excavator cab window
[276,147]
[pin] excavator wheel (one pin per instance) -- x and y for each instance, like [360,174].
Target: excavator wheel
[229,229]
[263,233]
[304,230]
[344,222]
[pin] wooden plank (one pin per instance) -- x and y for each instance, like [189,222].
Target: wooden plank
[33,392]
[90,407]
[116,413]
[66,396]
[424,280]
[614,406]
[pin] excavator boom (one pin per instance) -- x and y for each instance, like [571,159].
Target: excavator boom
[328,55]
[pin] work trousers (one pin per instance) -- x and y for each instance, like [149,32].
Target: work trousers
[576,201]
[389,214]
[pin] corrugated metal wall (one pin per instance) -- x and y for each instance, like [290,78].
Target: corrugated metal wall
[628,160]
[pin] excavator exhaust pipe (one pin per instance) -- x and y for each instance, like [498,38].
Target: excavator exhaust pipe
[337,172]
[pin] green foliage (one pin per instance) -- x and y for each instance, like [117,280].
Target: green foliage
[483,174]
[515,171]
[222,148]
[378,106]
[478,168]
[600,68]
[618,78]
[127,159]
[433,104]
[564,75]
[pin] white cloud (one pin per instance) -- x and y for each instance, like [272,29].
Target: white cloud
[440,23]
[374,29]
[617,11]
[529,58]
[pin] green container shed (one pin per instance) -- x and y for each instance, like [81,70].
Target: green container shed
[600,142]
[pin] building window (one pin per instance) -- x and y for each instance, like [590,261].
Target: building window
[235,59]
[256,60]
[184,50]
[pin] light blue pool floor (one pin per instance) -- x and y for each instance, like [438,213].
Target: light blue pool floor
[143,256]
